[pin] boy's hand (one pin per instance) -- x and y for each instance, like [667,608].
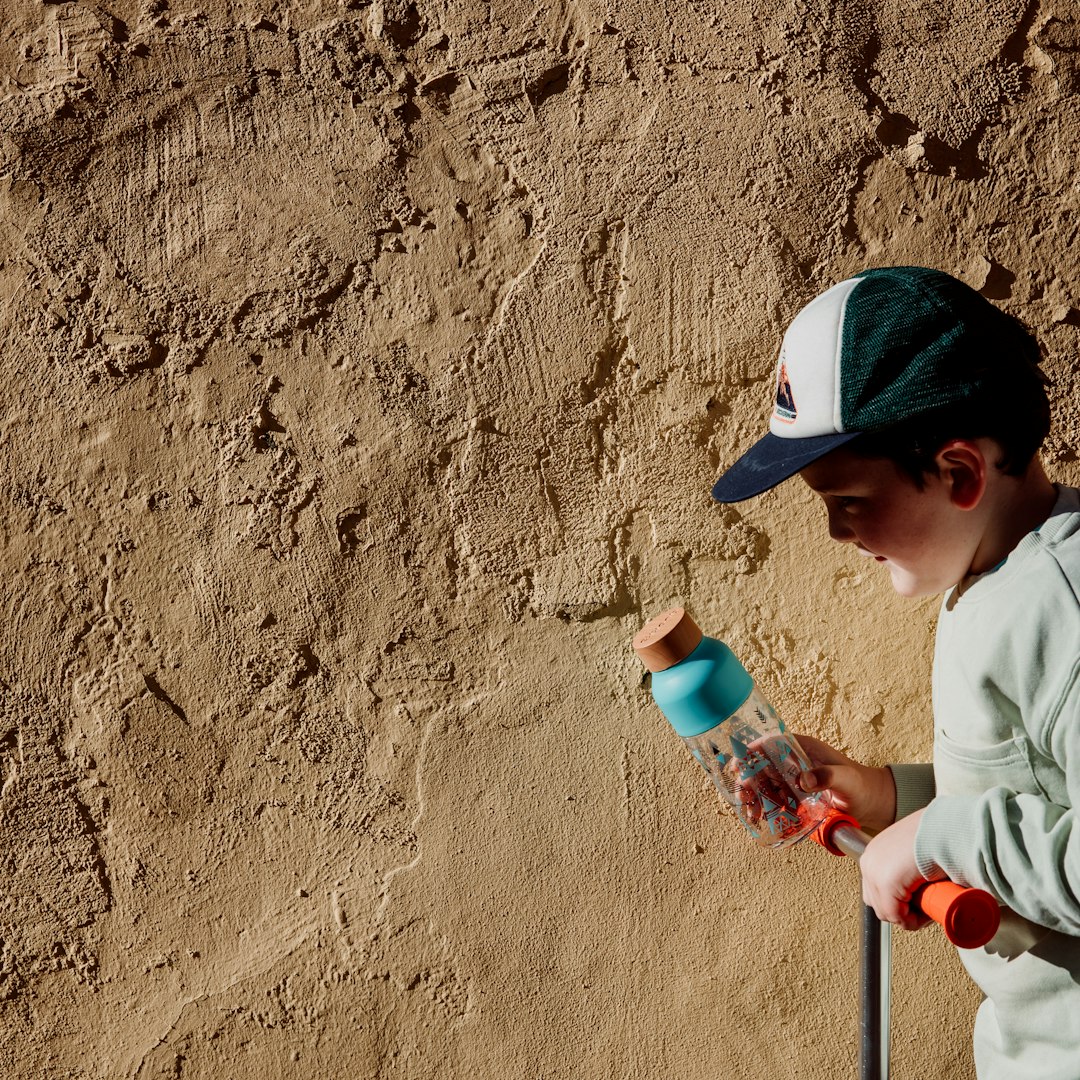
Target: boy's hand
[868,794]
[890,876]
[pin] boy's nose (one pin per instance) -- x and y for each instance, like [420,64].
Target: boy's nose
[838,527]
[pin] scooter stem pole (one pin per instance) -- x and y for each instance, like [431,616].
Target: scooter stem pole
[875,972]
[875,978]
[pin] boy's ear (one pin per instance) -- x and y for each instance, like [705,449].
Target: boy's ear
[962,466]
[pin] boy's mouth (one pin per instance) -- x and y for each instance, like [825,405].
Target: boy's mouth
[871,555]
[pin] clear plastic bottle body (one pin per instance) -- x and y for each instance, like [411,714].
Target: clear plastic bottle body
[755,764]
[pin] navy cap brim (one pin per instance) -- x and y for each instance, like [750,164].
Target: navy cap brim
[770,461]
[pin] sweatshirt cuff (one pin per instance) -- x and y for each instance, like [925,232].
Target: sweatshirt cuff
[949,834]
[914,787]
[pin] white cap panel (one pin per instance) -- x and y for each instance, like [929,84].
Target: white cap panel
[808,371]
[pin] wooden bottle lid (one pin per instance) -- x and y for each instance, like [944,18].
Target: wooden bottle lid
[667,639]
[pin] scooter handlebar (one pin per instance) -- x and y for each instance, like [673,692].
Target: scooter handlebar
[969,917]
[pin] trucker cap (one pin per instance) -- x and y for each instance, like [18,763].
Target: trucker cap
[885,346]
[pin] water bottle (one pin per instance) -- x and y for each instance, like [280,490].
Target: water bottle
[730,729]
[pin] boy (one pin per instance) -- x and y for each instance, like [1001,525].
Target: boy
[916,409]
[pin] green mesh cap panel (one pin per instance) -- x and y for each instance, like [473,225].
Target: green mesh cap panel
[915,340]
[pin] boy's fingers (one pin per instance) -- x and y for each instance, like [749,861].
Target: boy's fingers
[915,922]
[899,914]
[821,753]
[821,777]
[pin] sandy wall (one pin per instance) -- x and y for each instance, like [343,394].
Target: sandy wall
[365,370]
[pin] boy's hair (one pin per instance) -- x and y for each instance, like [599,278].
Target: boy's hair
[1013,410]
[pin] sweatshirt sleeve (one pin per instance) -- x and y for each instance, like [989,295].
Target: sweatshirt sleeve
[1019,846]
[914,787]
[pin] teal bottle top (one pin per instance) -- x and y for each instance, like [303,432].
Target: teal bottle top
[702,690]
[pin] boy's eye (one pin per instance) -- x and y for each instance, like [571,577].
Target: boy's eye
[845,502]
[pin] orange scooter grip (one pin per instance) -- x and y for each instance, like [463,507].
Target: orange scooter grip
[969,917]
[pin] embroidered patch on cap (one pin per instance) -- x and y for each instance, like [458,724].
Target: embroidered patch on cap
[785,403]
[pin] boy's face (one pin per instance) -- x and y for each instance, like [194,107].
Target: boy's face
[926,542]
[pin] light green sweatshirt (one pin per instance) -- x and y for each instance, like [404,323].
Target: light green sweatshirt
[1006,691]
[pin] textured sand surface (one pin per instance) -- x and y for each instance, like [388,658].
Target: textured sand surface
[366,367]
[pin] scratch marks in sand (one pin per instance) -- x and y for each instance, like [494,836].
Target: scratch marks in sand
[53,874]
